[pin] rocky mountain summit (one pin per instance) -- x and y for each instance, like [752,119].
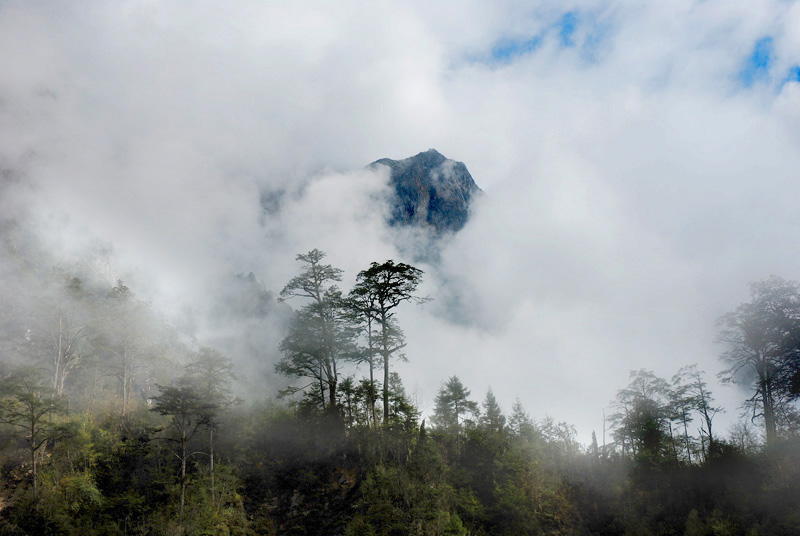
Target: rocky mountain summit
[430,191]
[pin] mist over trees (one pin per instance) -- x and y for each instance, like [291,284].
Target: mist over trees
[318,339]
[114,422]
[762,338]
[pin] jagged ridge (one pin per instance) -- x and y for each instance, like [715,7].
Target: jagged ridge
[430,190]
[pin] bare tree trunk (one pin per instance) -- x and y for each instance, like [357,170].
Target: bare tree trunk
[604,432]
[769,412]
[321,388]
[703,446]
[57,364]
[33,463]
[372,398]
[686,438]
[184,440]
[672,441]
[211,462]
[333,379]
[708,432]
[124,380]
[386,390]
[385,344]
[371,372]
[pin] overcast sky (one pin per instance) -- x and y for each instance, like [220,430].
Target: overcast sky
[640,162]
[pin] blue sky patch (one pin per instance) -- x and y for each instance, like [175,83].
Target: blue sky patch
[759,62]
[510,49]
[567,29]
[571,29]
[792,75]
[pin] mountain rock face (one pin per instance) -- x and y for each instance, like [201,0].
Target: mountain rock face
[430,191]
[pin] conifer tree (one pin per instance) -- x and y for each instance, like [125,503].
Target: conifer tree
[385,286]
[27,403]
[212,372]
[492,419]
[188,411]
[520,422]
[319,337]
[453,407]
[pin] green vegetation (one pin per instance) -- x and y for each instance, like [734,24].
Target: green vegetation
[116,426]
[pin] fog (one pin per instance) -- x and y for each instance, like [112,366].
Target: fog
[638,163]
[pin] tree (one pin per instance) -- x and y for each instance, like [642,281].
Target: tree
[386,286]
[693,391]
[125,335]
[319,336]
[349,398]
[788,378]
[403,414]
[559,439]
[186,406]
[520,422]
[212,372]
[492,419]
[760,338]
[27,403]
[368,391]
[58,329]
[594,449]
[453,406]
[682,406]
[743,435]
[642,414]
[360,305]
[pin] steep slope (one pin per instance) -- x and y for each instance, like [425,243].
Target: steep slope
[430,191]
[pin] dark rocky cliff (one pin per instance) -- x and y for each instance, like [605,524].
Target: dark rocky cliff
[430,191]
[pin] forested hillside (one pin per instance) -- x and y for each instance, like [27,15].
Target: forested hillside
[114,422]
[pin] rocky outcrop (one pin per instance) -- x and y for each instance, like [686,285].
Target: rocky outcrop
[430,191]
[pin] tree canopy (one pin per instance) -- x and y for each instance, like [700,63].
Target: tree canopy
[380,289]
[761,351]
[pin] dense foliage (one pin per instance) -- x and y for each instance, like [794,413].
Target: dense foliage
[112,423]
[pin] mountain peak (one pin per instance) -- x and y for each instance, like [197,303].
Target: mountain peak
[431,154]
[430,190]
